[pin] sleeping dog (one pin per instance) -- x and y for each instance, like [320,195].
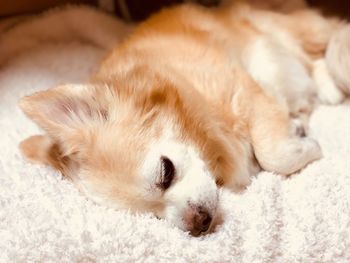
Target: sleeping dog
[191,102]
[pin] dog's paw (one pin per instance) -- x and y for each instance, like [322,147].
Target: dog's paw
[330,94]
[338,58]
[311,149]
[294,154]
[297,127]
[327,90]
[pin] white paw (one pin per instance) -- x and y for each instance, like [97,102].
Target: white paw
[338,58]
[297,127]
[328,92]
[330,95]
[312,149]
[296,153]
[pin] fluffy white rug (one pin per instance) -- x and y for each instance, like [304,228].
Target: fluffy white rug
[43,218]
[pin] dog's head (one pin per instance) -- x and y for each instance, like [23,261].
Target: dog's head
[140,143]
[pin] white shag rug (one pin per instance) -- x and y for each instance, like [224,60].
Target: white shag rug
[43,218]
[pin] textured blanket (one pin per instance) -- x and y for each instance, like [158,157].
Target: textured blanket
[44,218]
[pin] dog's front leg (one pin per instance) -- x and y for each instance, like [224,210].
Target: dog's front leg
[276,147]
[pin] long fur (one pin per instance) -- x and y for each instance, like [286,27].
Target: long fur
[212,92]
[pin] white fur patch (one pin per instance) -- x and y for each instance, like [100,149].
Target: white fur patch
[193,183]
[280,74]
[328,92]
[338,57]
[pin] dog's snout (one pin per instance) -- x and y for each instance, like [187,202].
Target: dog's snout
[198,220]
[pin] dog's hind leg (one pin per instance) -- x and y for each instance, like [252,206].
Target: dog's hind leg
[276,146]
[338,58]
[327,89]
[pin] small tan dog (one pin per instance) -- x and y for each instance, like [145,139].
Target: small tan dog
[186,104]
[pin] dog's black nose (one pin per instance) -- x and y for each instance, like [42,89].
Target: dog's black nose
[203,220]
[198,221]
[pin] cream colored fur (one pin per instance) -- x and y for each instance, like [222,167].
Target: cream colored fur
[212,89]
[337,58]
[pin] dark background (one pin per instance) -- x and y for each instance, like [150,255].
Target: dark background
[137,10]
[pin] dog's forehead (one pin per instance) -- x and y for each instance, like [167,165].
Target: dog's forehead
[121,147]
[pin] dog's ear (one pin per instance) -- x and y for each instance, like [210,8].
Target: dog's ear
[36,149]
[42,149]
[66,108]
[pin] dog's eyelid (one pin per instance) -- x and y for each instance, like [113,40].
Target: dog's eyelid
[167,173]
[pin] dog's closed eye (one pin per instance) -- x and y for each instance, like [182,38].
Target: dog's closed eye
[167,173]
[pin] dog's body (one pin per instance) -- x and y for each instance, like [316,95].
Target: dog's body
[185,105]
